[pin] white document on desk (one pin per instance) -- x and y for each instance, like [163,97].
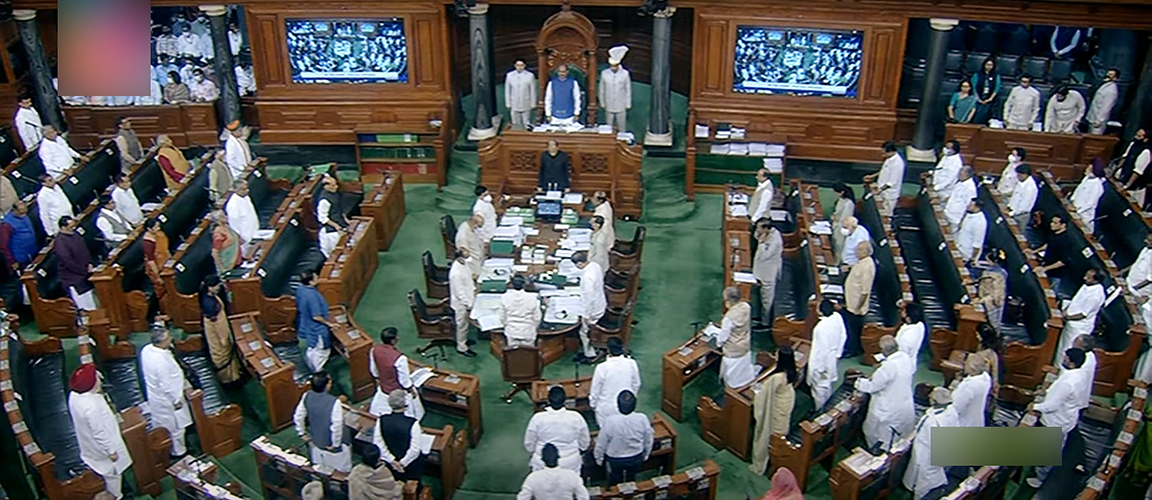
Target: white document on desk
[426,441]
[421,375]
[574,199]
[489,322]
[740,277]
[832,289]
[564,310]
[711,330]
[738,210]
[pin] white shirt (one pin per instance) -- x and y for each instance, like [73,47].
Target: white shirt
[853,240]
[1061,404]
[553,484]
[946,174]
[486,210]
[921,476]
[828,339]
[154,98]
[1064,116]
[98,433]
[1102,103]
[891,404]
[237,156]
[575,99]
[57,156]
[909,338]
[242,217]
[520,314]
[1142,161]
[615,375]
[203,91]
[520,90]
[1088,301]
[410,456]
[1023,198]
[970,239]
[764,193]
[28,124]
[600,251]
[565,429]
[623,436]
[127,205]
[957,205]
[891,179]
[1022,107]
[461,287]
[245,81]
[469,239]
[615,89]
[1008,180]
[1086,197]
[605,210]
[592,291]
[54,204]
[970,398]
[234,41]
[106,227]
[1141,271]
[188,44]
[164,383]
[335,424]
[1087,378]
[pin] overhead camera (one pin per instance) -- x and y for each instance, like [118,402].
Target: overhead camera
[651,7]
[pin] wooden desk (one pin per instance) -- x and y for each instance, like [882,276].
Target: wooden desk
[738,250]
[351,265]
[1109,468]
[985,148]
[510,164]
[447,460]
[355,346]
[275,375]
[197,479]
[662,458]
[188,124]
[384,204]
[694,483]
[852,479]
[454,393]
[820,437]
[219,432]
[577,390]
[682,365]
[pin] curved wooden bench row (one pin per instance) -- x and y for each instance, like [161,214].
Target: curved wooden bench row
[891,281]
[696,483]
[282,383]
[820,256]
[195,478]
[817,439]
[384,204]
[1099,483]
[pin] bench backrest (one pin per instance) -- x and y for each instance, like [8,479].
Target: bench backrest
[89,181]
[949,284]
[886,286]
[278,267]
[195,264]
[1119,228]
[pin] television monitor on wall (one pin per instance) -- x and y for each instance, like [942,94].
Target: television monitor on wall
[797,61]
[347,51]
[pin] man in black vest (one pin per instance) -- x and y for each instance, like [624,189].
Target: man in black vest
[398,436]
[330,215]
[319,421]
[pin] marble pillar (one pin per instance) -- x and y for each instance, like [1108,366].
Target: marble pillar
[229,106]
[483,105]
[1141,107]
[46,100]
[928,113]
[659,131]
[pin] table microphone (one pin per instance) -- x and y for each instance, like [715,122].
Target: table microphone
[577,365]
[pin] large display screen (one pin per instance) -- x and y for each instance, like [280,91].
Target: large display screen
[347,51]
[797,61]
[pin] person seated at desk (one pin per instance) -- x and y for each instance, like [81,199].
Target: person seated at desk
[735,340]
[560,427]
[202,89]
[828,339]
[389,367]
[397,436]
[176,92]
[371,480]
[625,440]
[1065,110]
[319,421]
[520,314]
[55,153]
[618,373]
[127,205]
[552,482]
[54,204]
[891,413]
[114,228]
[772,407]
[562,98]
[74,265]
[555,169]
[921,476]
[242,213]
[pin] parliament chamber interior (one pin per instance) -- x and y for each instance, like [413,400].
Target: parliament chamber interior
[380,249]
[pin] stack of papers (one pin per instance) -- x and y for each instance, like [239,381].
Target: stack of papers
[574,199]
[776,150]
[820,227]
[741,277]
[774,165]
[421,375]
[511,232]
[567,268]
[626,137]
[564,310]
[511,220]
[737,198]
[740,210]
[737,133]
[719,149]
[738,149]
[604,129]
[757,149]
[711,330]
[701,131]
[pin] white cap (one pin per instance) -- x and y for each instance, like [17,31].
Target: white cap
[616,54]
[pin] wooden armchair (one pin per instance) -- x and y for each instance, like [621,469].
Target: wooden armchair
[434,321]
[448,232]
[435,277]
[626,253]
[521,366]
[616,322]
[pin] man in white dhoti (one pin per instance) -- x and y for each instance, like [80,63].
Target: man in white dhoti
[520,95]
[970,396]
[242,216]
[828,338]
[53,203]
[1080,312]
[760,204]
[236,152]
[1061,405]
[962,194]
[468,241]
[891,413]
[28,123]
[1087,195]
[615,87]
[563,428]
[618,372]
[462,295]
[55,153]
[1100,111]
[1008,179]
[767,266]
[947,170]
[485,209]
[735,340]
[921,476]
[552,482]
[102,446]
[910,336]
[520,314]
[1022,106]
[126,203]
[1023,197]
[594,300]
[319,421]
[389,367]
[890,178]
[165,386]
[973,230]
[330,216]
[604,209]
[1065,109]
[562,98]
[601,247]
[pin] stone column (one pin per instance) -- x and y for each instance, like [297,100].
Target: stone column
[1141,107]
[223,63]
[659,131]
[928,113]
[483,105]
[45,97]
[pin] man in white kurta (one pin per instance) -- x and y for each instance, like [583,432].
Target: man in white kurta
[53,203]
[126,203]
[1087,196]
[910,336]
[237,155]
[28,124]
[55,153]
[1022,106]
[468,241]
[1008,179]
[520,95]
[1143,370]
[1100,111]
[828,338]
[1086,343]
[102,446]
[1065,109]
[520,314]
[484,208]
[604,209]
[320,412]
[760,204]
[973,229]
[615,88]
[1139,277]
[970,397]
[188,43]
[563,428]
[962,194]
[921,476]
[891,413]
[1024,197]
[601,244]
[462,295]
[242,216]
[618,372]
[947,170]
[165,385]
[552,482]
[854,234]
[735,341]
[594,300]
[1061,404]
[890,178]
[1080,312]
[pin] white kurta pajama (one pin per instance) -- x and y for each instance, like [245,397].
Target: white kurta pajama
[1088,301]
[946,174]
[328,238]
[340,460]
[909,338]
[563,428]
[605,210]
[891,413]
[1021,108]
[828,338]
[520,314]
[54,204]
[890,180]
[1101,108]
[462,295]
[468,239]
[242,217]
[601,248]
[1141,273]
[615,88]
[970,398]
[921,476]
[379,405]
[99,437]
[1085,198]
[615,374]
[520,96]
[165,384]
[127,205]
[237,155]
[958,201]
[970,238]
[1008,180]
[57,156]
[28,124]
[1064,116]
[488,212]
[1022,201]
[595,303]
[735,340]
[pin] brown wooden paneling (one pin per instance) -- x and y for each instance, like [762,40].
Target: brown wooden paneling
[271,57]
[187,124]
[1065,155]
[424,32]
[712,70]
